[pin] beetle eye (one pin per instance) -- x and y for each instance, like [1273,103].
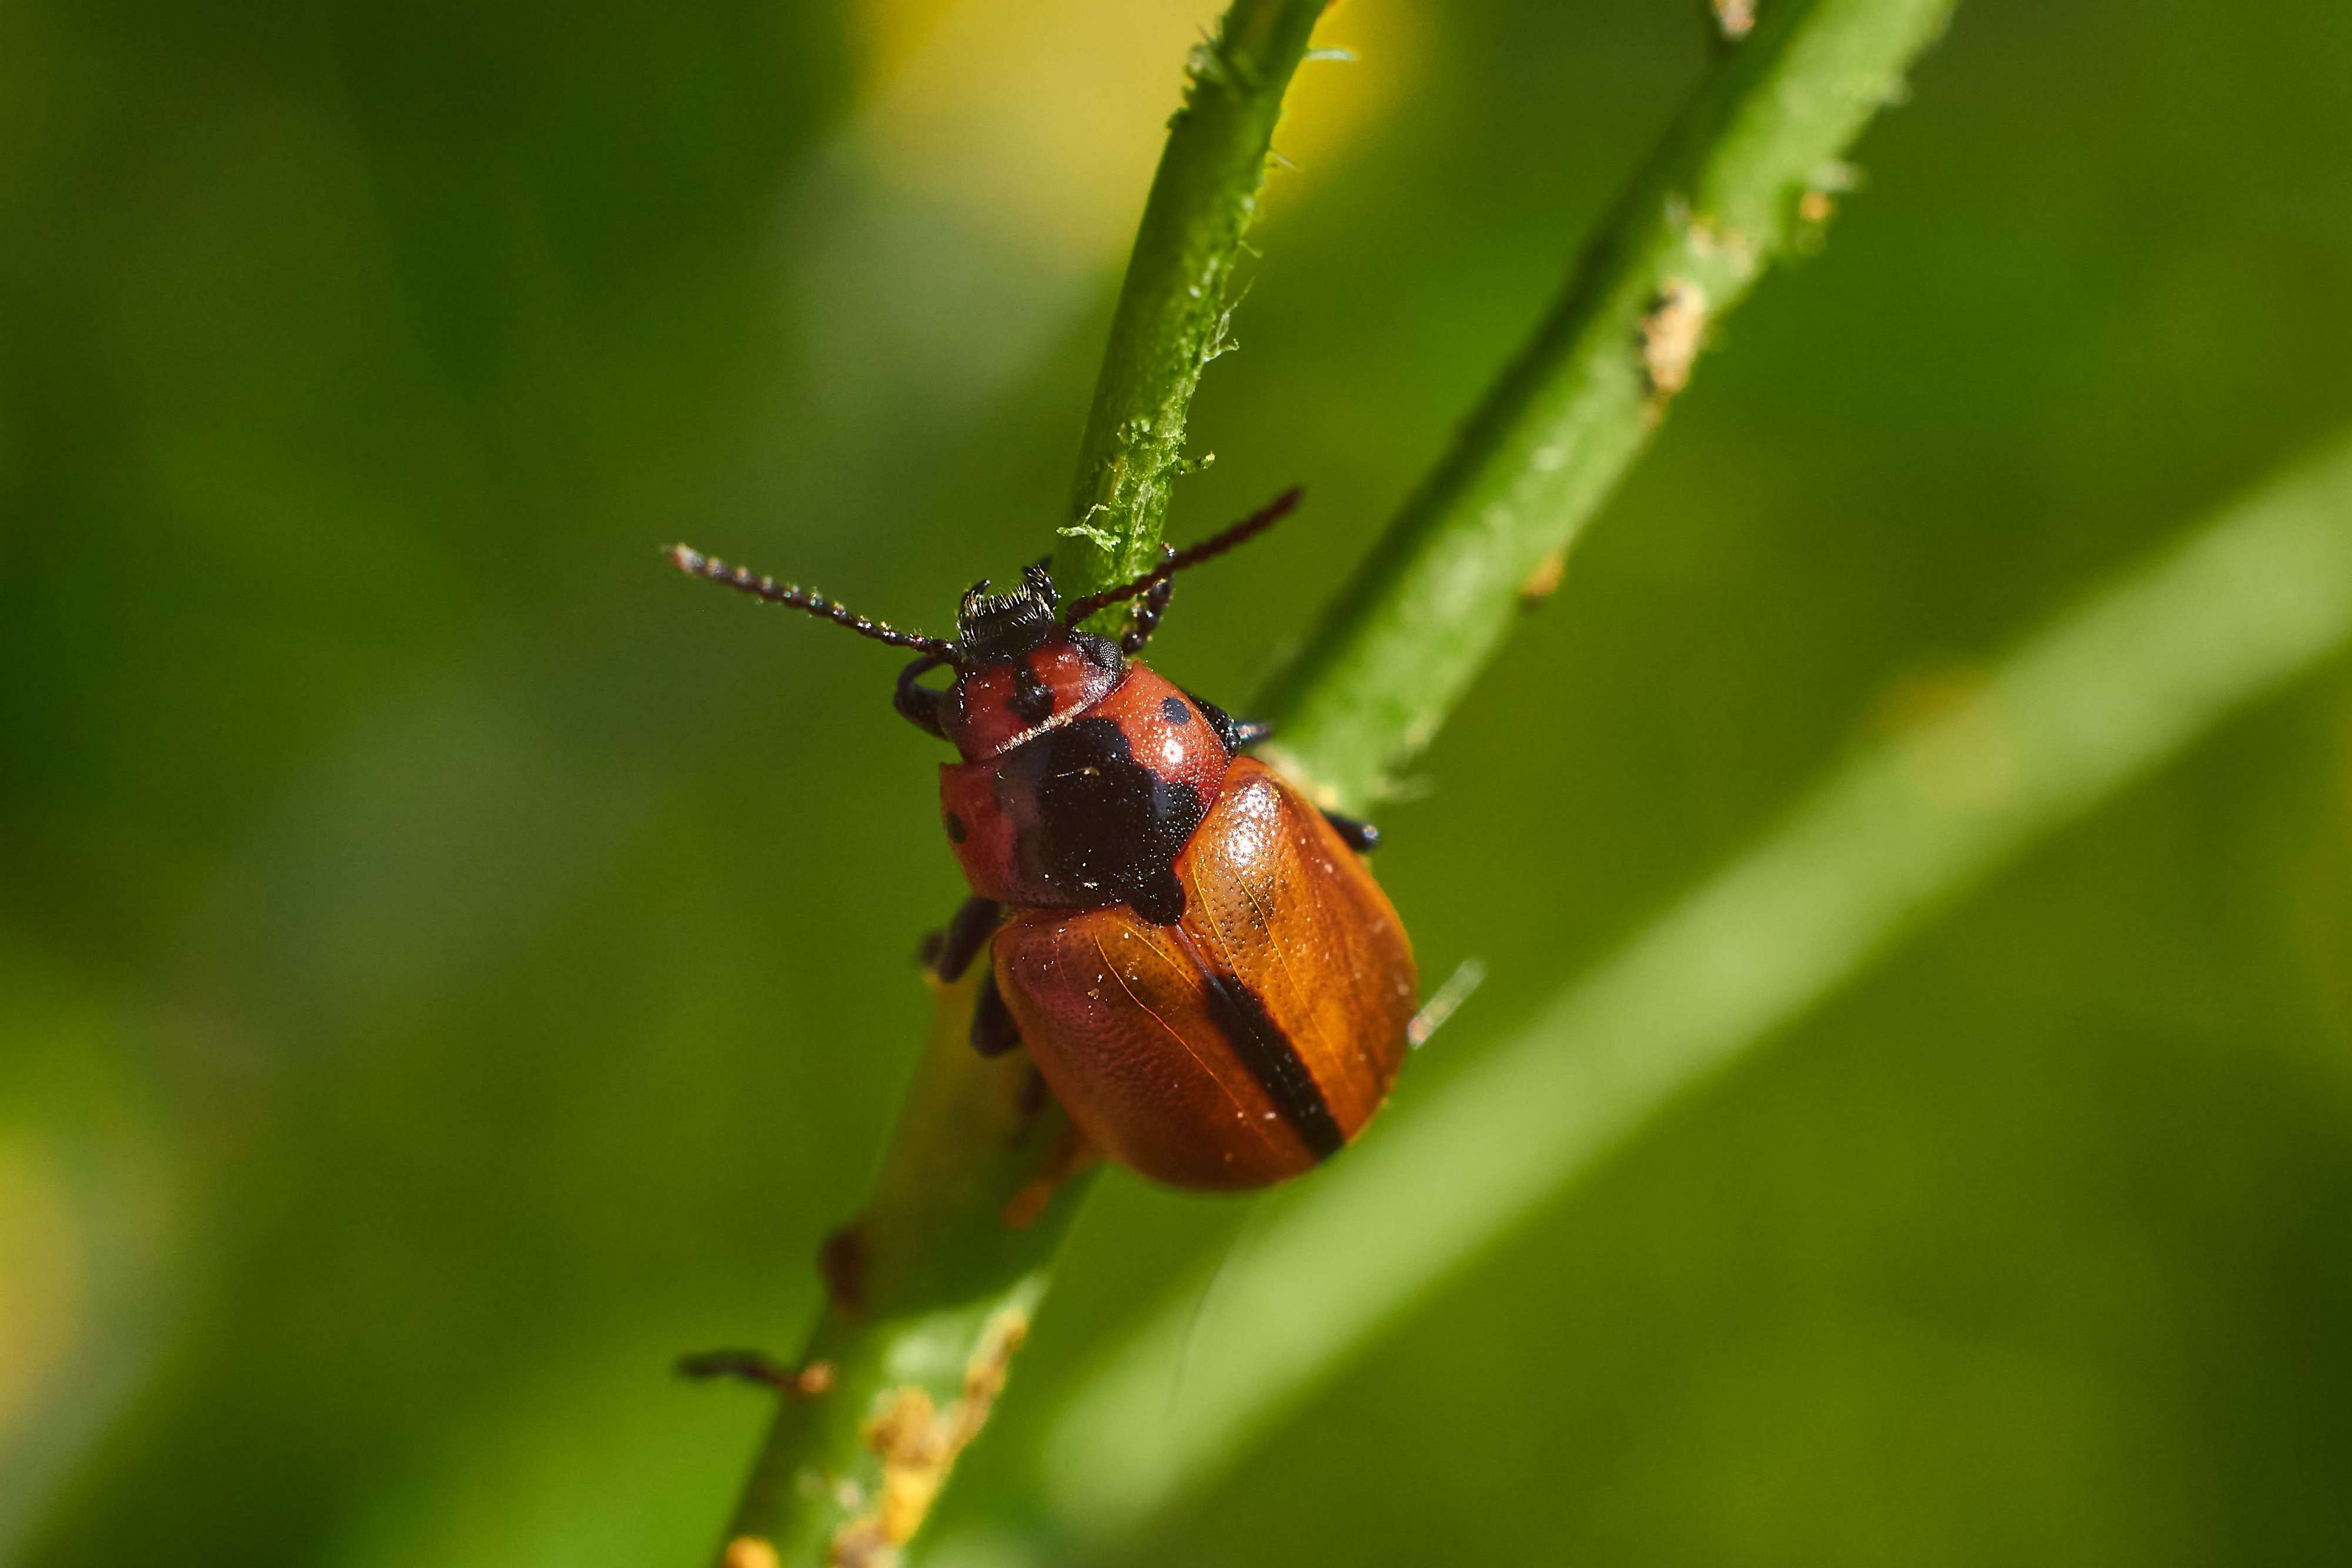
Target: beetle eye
[1100,652]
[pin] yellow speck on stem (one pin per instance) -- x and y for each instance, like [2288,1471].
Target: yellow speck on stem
[749,1551]
[1544,581]
[1670,337]
[918,1443]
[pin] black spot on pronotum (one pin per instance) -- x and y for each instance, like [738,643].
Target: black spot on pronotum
[956,829]
[1175,710]
[1033,699]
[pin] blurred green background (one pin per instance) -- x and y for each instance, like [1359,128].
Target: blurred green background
[448,966]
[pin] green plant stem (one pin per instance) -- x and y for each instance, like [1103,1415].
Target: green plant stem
[1172,308]
[930,1291]
[1749,172]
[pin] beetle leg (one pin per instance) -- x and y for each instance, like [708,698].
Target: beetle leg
[751,1366]
[920,704]
[950,952]
[1146,619]
[994,1033]
[1361,836]
[1235,733]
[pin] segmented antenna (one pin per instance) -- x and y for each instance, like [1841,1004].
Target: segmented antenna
[694,563]
[1258,522]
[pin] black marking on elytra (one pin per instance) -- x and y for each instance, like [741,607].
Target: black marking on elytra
[967,932]
[1262,1046]
[1359,835]
[1158,895]
[993,1030]
[1107,830]
[1175,710]
[1033,699]
[957,832]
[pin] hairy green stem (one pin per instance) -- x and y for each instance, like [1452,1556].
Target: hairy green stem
[1750,170]
[1173,309]
[930,1289]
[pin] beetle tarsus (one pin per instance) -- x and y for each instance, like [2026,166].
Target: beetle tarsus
[1359,835]
[751,1367]
[1145,619]
[950,951]
[994,1033]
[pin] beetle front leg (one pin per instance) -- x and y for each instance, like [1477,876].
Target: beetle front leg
[993,1030]
[1145,619]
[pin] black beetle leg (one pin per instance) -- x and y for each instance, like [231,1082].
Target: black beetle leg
[1146,619]
[1235,733]
[1361,836]
[994,1033]
[920,704]
[751,1366]
[950,952]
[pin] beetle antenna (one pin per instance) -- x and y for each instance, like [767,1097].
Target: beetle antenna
[1215,545]
[694,563]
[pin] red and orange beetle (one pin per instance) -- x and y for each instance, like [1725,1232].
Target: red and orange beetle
[1196,958]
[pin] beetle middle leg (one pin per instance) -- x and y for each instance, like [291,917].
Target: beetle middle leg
[1358,834]
[950,952]
[993,1030]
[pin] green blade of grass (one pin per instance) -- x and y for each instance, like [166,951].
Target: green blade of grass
[2110,691]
